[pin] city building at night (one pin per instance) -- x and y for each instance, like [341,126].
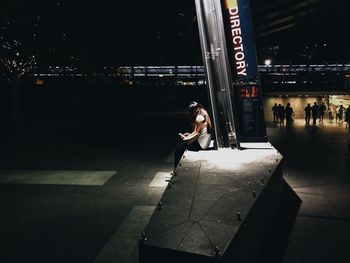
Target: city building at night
[94,107]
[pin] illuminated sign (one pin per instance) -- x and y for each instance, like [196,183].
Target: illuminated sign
[236,37]
[249,92]
[242,56]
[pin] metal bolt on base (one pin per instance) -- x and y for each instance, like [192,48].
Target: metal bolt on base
[143,237]
[239,218]
[217,251]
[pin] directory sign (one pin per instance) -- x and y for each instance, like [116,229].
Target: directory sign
[246,88]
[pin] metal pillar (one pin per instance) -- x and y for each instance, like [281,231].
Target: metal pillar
[215,58]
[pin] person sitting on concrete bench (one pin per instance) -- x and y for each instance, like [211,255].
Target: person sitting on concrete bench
[199,138]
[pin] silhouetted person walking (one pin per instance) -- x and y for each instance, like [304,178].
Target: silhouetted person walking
[281,113]
[330,113]
[347,117]
[341,113]
[322,111]
[289,114]
[307,114]
[275,113]
[314,111]
[336,114]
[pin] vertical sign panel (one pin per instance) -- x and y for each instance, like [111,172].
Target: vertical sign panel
[246,90]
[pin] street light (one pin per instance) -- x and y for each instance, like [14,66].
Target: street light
[268,62]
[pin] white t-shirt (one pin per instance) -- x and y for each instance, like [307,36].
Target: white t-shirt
[204,138]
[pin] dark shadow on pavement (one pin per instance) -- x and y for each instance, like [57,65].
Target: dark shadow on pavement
[277,238]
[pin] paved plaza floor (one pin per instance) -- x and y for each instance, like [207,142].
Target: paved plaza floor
[84,191]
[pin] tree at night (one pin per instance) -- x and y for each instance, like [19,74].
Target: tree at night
[17,56]
[16,65]
[14,60]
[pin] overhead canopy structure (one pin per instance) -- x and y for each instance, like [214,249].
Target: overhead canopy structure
[273,16]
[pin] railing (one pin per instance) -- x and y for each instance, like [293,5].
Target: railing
[191,71]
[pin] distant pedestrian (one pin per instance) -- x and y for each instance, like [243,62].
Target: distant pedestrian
[315,111]
[307,114]
[330,113]
[322,111]
[275,113]
[289,114]
[341,114]
[347,118]
[336,113]
[281,113]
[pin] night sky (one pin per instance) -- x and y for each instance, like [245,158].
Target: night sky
[106,32]
[112,33]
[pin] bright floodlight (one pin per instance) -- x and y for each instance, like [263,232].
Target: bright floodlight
[268,62]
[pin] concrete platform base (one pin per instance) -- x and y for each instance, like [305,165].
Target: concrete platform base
[220,207]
